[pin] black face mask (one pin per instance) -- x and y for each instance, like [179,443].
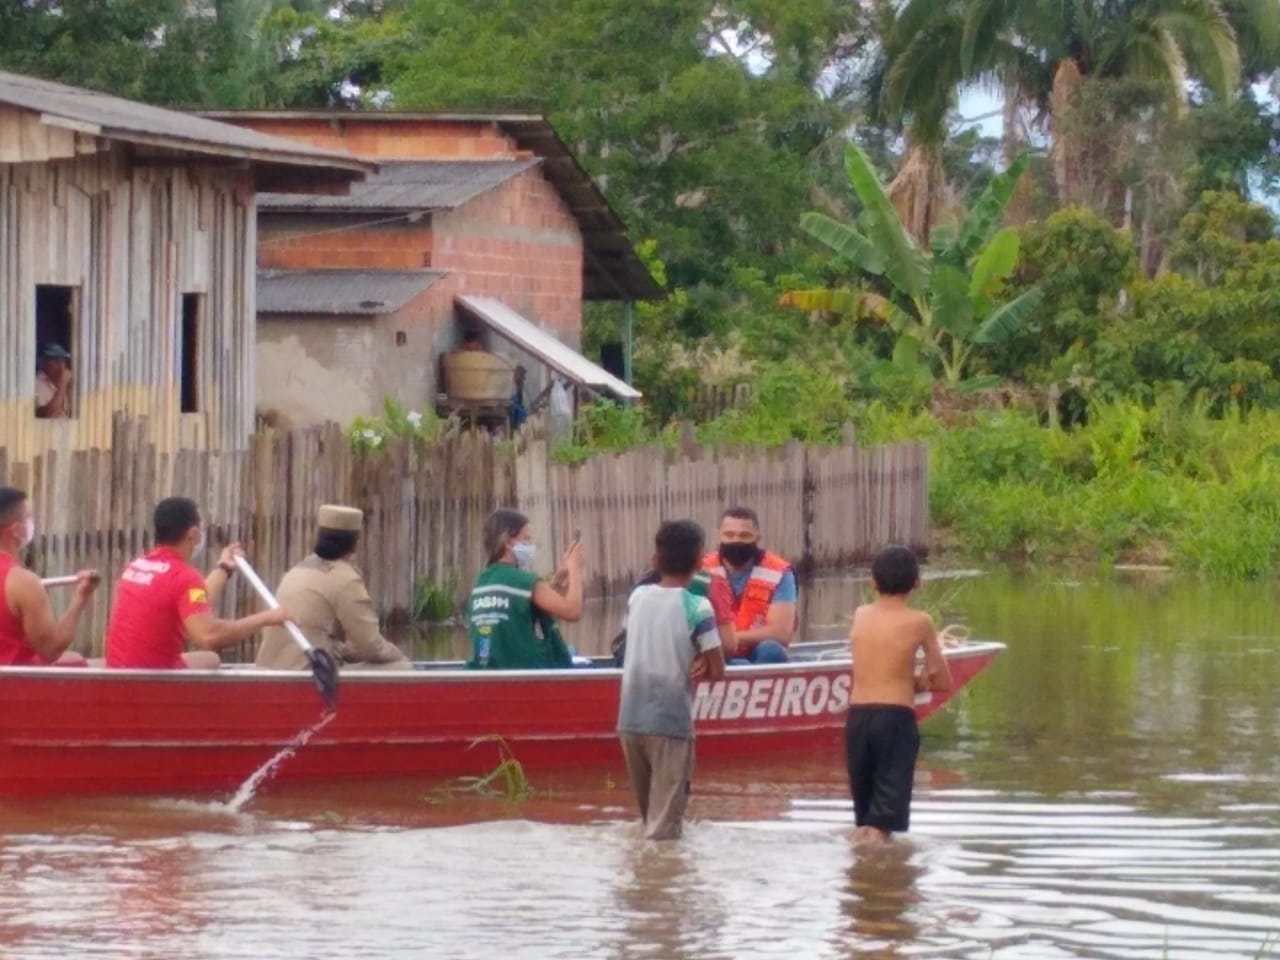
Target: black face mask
[739,554]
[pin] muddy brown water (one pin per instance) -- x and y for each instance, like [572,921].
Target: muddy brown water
[1107,789]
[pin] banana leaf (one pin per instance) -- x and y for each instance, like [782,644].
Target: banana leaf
[845,241]
[1010,318]
[984,218]
[904,264]
[994,265]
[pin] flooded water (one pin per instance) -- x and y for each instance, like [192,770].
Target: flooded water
[1109,788]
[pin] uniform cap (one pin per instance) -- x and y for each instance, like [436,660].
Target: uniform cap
[333,517]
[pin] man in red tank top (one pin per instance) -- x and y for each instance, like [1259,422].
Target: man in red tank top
[30,634]
[162,601]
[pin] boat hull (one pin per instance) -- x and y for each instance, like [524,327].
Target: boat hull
[80,732]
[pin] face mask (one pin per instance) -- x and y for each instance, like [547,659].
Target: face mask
[525,553]
[199,543]
[739,554]
[28,532]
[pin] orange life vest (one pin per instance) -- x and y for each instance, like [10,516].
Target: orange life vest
[752,607]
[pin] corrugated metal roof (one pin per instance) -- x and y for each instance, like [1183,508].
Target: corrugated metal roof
[368,292]
[100,114]
[504,321]
[415,185]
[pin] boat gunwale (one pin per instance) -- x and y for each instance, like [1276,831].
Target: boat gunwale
[247,672]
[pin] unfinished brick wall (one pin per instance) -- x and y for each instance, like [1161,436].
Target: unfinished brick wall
[518,243]
[404,139]
[346,242]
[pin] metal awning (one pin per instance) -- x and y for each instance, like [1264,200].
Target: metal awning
[340,292]
[566,361]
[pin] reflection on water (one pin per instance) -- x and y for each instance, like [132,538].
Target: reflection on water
[1107,789]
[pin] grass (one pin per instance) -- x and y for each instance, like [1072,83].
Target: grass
[1164,483]
[505,782]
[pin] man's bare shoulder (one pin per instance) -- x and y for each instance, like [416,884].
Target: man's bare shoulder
[21,583]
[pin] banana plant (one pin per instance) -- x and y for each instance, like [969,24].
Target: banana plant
[947,299]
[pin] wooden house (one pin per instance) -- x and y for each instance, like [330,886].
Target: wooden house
[484,224]
[128,237]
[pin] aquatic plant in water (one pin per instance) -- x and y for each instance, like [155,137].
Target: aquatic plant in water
[506,782]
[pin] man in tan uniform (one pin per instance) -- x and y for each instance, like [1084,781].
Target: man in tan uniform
[325,595]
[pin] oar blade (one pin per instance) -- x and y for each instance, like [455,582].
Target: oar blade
[324,669]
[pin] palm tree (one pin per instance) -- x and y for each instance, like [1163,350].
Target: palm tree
[1162,42]
[924,64]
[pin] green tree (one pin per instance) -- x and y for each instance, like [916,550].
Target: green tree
[1163,42]
[947,302]
[699,118]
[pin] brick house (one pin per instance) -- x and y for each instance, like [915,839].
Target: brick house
[479,223]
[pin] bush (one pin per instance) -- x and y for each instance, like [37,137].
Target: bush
[370,434]
[1160,481]
[793,401]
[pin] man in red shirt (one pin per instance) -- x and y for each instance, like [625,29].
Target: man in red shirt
[161,600]
[30,635]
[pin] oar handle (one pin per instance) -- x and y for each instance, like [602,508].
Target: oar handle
[269,599]
[70,580]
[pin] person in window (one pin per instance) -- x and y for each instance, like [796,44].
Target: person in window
[511,614]
[53,382]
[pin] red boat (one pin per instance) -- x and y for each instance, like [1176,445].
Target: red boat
[67,731]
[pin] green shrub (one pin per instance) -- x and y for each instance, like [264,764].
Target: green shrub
[434,602]
[370,434]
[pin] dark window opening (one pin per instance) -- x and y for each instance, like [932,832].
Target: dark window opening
[55,334]
[190,346]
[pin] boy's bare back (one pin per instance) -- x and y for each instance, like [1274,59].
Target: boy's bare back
[886,635]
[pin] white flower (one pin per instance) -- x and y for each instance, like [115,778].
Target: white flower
[375,440]
[414,418]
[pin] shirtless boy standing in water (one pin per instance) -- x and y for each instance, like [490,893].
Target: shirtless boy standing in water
[881,739]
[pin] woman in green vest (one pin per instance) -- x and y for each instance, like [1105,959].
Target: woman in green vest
[512,613]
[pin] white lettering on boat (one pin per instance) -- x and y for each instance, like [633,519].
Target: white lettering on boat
[757,705]
[771,697]
[735,699]
[815,705]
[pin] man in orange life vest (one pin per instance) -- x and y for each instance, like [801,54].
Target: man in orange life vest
[763,586]
[30,635]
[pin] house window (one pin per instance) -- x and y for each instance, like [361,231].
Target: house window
[55,339]
[190,346]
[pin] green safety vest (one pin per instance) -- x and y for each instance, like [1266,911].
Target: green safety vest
[501,616]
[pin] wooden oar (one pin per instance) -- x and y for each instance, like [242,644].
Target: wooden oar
[67,581]
[323,667]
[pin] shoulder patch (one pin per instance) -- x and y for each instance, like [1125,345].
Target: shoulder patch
[197,595]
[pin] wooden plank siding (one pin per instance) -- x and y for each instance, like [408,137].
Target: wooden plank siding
[425,505]
[129,240]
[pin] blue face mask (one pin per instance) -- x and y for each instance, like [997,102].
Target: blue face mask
[525,554]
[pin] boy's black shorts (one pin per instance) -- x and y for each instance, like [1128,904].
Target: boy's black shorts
[881,744]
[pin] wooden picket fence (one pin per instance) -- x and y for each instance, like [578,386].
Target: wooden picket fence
[425,505]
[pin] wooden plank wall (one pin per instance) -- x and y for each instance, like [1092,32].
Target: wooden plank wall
[425,505]
[130,240]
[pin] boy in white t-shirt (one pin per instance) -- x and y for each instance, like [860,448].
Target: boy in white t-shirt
[671,638]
